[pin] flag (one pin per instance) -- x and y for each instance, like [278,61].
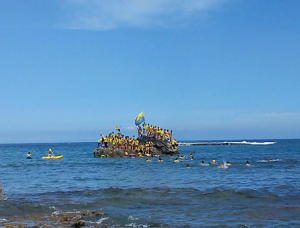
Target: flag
[139,118]
[117,128]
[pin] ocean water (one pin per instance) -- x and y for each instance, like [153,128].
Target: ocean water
[135,193]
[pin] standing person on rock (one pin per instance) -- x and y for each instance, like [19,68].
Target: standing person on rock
[139,130]
[144,129]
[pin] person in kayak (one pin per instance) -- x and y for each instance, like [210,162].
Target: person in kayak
[28,155]
[50,154]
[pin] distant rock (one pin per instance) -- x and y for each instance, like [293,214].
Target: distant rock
[160,147]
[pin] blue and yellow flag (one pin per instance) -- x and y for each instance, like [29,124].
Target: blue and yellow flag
[117,128]
[139,118]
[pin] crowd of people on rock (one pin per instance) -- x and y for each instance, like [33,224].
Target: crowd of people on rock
[154,132]
[125,143]
[119,141]
[157,133]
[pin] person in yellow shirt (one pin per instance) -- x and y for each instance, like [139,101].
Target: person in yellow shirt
[114,142]
[28,155]
[99,142]
[151,144]
[151,131]
[139,130]
[112,137]
[126,142]
[160,134]
[120,143]
[167,135]
[148,130]
[154,131]
[130,143]
[136,145]
[105,141]
[174,143]
[147,148]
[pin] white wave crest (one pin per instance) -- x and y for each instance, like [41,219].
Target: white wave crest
[136,225]
[101,220]
[269,160]
[132,218]
[57,212]
[225,143]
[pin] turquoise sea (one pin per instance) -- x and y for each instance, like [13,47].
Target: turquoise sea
[135,193]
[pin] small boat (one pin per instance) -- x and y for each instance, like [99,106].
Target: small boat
[53,157]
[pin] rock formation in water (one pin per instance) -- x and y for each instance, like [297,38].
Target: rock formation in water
[160,147]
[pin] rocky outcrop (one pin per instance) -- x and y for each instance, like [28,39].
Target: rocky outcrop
[76,219]
[160,147]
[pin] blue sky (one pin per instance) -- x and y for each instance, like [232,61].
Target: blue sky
[207,69]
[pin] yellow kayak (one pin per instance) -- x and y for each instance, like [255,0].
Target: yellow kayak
[54,157]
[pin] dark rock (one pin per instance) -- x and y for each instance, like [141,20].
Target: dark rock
[160,147]
[78,224]
[92,213]
[53,220]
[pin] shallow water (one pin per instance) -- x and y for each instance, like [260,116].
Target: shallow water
[135,193]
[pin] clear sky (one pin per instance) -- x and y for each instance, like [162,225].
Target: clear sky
[207,69]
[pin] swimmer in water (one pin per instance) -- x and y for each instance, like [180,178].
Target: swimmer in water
[224,166]
[214,162]
[148,160]
[176,160]
[160,160]
[188,166]
[247,163]
[204,164]
[228,163]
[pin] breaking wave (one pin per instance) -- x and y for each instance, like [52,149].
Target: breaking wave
[224,143]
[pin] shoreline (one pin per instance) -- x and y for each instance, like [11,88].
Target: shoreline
[67,219]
